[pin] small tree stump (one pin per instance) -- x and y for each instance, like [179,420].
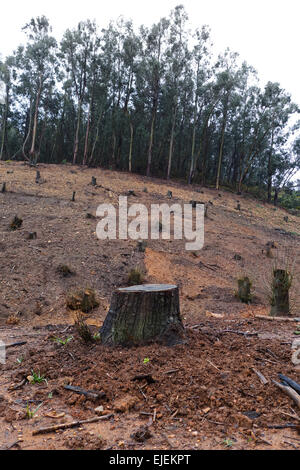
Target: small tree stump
[94,181]
[280,303]
[3,189]
[142,314]
[244,290]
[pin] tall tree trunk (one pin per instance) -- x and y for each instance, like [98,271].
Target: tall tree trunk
[171,143]
[222,144]
[28,133]
[4,127]
[191,172]
[130,147]
[35,121]
[86,141]
[76,143]
[96,138]
[151,141]
[270,171]
[276,193]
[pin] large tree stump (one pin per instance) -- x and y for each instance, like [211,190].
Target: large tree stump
[280,303]
[142,314]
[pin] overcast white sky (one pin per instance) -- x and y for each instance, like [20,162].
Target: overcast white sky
[266,33]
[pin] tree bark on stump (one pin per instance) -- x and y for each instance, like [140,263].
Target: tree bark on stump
[244,290]
[280,305]
[142,314]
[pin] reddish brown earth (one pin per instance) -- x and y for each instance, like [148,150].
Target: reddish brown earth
[203,390]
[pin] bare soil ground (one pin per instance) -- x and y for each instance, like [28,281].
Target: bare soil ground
[205,394]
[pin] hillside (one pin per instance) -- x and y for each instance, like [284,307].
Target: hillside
[204,389]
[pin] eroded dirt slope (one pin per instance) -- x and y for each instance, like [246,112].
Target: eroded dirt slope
[200,405]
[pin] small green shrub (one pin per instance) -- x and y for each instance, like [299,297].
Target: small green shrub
[135,277]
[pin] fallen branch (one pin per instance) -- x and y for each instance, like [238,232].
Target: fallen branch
[73,424]
[291,444]
[148,377]
[172,371]
[266,317]
[283,426]
[243,333]
[289,391]
[289,382]
[212,267]
[13,345]
[86,393]
[17,386]
[10,445]
[261,377]
[295,416]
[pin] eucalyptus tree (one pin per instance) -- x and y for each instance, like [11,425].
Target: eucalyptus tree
[92,78]
[200,61]
[279,109]
[228,77]
[5,84]
[287,164]
[77,52]
[151,72]
[177,56]
[128,49]
[242,111]
[35,69]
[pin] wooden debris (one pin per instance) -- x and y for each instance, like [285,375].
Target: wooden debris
[171,371]
[283,426]
[291,444]
[73,424]
[266,317]
[10,446]
[294,416]
[140,389]
[148,377]
[243,333]
[17,386]
[54,415]
[261,377]
[289,391]
[289,382]
[87,393]
[212,267]
[13,345]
